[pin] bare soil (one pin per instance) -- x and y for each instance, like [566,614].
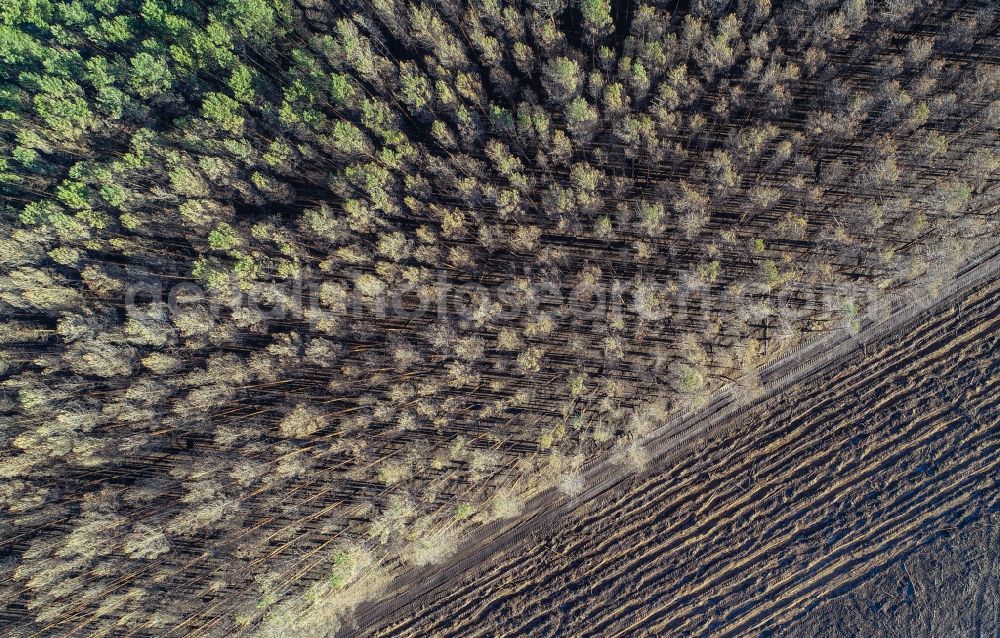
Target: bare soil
[780,519]
[946,589]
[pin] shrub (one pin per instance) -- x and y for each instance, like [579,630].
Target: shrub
[393,521]
[429,546]
[464,511]
[348,563]
[506,503]
[631,455]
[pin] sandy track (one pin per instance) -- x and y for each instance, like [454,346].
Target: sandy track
[719,527]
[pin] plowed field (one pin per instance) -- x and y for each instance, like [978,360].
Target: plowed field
[775,520]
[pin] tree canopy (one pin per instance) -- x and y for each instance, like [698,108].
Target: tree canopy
[295,294]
